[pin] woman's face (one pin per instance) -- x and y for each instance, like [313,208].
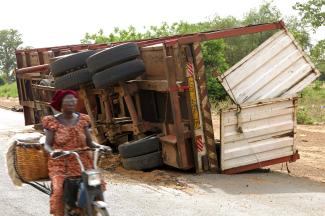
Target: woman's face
[69,103]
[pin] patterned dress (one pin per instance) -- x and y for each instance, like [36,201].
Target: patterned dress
[66,138]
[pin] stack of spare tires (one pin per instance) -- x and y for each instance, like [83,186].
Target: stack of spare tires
[142,154]
[71,71]
[116,64]
[106,68]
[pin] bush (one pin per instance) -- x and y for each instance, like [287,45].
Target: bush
[318,85]
[2,81]
[9,90]
[312,104]
[215,90]
[303,117]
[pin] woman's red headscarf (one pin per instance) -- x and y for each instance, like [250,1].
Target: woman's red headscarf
[58,97]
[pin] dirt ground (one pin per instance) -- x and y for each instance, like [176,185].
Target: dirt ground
[171,192]
[311,165]
[159,177]
[310,142]
[10,103]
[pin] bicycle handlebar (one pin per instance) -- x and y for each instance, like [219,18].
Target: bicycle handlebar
[76,154]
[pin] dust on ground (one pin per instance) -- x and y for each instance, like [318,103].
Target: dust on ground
[159,177]
[10,103]
[310,142]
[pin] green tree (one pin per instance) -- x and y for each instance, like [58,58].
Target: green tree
[312,13]
[10,39]
[299,31]
[318,56]
[218,54]
[238,47]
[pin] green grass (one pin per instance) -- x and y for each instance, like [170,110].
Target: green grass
[311,107]
[9,90]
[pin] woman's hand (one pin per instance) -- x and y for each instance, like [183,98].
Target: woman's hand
[56,153]
[103,148]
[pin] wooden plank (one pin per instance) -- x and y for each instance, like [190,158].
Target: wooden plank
[28,103]
[42,102]
[107,108]
[153,85]
[85,95]
[41,87]
[177,116]
[137,125]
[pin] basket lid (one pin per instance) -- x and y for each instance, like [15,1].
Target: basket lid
[28,137]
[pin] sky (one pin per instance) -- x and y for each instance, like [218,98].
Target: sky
[64,22]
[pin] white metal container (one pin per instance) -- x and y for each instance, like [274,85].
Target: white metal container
[276,68]
[260,129]
[258,132]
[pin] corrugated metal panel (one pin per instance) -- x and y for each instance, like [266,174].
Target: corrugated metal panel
[276,68]
[267,133]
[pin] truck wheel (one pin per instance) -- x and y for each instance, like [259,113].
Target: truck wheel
[73,80]
[143,162]
[119,73]
[112,56]
[70,62]
[139,147]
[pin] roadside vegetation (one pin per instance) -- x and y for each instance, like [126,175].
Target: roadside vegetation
[219,55]
[311,105]
[9,90]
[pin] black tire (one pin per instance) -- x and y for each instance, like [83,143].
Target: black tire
[70,62]
[139,147]
[73,80]
[119,73]
[112,56]
[143,162]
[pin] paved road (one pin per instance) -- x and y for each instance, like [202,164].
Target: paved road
[246,194]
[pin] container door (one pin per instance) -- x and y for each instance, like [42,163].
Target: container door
[277,68]
[257,135]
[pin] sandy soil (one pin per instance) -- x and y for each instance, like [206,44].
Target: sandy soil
[159,177]
[10,103]
[310,143]
[311,146]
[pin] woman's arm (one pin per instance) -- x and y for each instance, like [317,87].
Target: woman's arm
[89,140]
[92,144]
[49,136]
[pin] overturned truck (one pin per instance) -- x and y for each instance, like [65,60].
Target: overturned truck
[149,98]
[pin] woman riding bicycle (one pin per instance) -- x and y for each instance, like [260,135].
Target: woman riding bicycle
[66,131]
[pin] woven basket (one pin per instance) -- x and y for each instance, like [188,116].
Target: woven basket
[31,161]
